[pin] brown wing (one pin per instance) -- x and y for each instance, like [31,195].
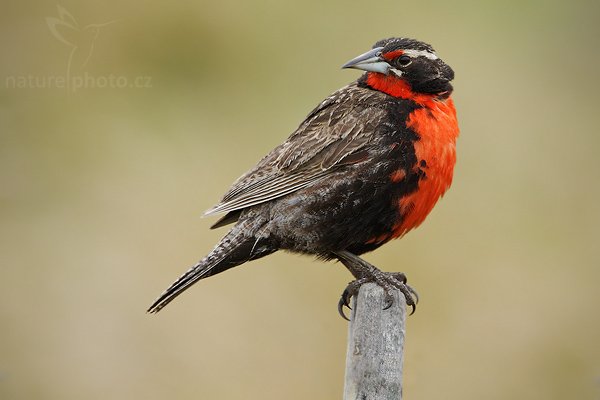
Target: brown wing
[336,133]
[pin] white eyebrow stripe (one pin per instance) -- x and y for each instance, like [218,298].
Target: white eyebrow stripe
[396,71]
[417,53]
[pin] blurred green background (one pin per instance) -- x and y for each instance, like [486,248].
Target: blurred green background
[102,188]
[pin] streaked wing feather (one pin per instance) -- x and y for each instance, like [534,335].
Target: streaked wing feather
[336,133]
[277,187]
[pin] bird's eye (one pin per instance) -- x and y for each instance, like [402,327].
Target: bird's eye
[404,60]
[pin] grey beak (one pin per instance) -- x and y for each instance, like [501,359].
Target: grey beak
[369,61]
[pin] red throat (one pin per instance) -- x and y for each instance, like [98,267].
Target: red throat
[397,87]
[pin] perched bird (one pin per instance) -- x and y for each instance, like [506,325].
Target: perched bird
[366,166]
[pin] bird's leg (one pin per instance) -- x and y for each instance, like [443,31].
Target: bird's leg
[365,272]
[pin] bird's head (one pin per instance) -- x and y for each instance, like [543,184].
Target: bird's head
[405,68]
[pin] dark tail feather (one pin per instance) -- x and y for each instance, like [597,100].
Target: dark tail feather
[234,249]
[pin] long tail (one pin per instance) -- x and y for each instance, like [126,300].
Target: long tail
[234,249]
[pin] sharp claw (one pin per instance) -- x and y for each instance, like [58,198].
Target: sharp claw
[346,296]
[350,290]
[414,308]
[341,305]
[344,302]
[411,292]
[389,301]
[414,294]
[411,296]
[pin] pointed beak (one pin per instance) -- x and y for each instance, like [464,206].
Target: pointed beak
[370,61]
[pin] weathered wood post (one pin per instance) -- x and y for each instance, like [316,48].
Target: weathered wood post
[375,346]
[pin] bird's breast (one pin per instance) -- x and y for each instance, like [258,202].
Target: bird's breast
[435,149]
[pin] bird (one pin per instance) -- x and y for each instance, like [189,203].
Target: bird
[366,166]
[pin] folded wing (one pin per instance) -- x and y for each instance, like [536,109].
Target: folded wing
[336,134]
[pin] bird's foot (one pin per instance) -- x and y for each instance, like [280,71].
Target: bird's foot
[389,281]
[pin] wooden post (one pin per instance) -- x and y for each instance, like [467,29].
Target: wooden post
[375,346]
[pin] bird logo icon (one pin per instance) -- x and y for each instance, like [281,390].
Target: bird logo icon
[80,39]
